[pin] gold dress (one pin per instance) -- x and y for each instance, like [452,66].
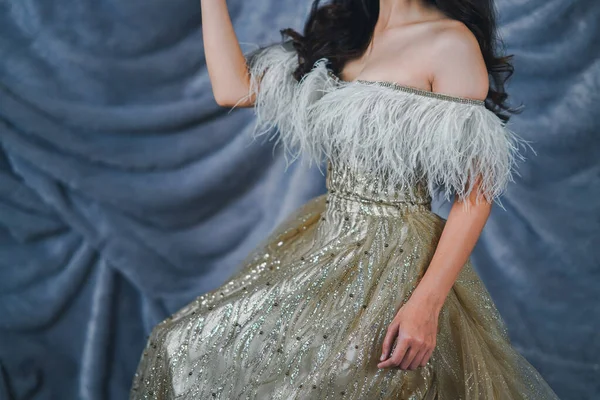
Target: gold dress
[305,316]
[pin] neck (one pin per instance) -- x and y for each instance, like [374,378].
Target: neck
[403,12]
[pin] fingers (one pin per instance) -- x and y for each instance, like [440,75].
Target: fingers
[390,336]
[409,354]
[396,358]
[426,358]
[409,357]
[418,360]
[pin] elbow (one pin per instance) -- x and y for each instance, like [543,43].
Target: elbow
[223,100]
[229,99]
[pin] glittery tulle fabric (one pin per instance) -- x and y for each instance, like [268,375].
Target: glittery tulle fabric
[306,315]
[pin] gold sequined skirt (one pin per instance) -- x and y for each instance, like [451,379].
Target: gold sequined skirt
[305,316]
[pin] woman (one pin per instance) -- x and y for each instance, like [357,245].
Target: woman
[363,293]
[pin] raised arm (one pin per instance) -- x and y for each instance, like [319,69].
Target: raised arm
[225,61]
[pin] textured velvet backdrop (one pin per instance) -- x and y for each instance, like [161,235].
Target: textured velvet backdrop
[125,191]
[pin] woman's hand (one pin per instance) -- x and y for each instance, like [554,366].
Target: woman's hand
[414,329]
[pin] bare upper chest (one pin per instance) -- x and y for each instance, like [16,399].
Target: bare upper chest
[403,56]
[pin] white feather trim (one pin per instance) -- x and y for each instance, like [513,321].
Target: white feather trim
[398,135]
[282,102]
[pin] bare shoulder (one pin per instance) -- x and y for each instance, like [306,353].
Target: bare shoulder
[458,66]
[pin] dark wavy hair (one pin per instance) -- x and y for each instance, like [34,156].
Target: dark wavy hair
[341,30]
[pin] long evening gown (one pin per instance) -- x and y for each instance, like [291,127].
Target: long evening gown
[305,316]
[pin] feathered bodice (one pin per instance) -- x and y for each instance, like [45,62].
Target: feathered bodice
[398,134]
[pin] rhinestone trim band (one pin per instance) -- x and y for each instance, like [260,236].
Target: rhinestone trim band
[413,90]
[423,92]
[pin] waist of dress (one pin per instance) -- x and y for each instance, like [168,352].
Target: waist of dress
[351,203]
[368,193]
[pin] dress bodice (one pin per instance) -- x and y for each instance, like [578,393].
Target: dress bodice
[356,192]
[398,135]
[361,186]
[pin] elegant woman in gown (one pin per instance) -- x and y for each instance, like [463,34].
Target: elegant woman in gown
[364,292]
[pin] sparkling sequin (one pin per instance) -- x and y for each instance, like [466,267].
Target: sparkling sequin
[312,327]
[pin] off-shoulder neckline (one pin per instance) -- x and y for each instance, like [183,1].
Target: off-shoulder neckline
[410,89]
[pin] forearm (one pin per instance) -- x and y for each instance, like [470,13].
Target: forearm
[460,234]
[225,60]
